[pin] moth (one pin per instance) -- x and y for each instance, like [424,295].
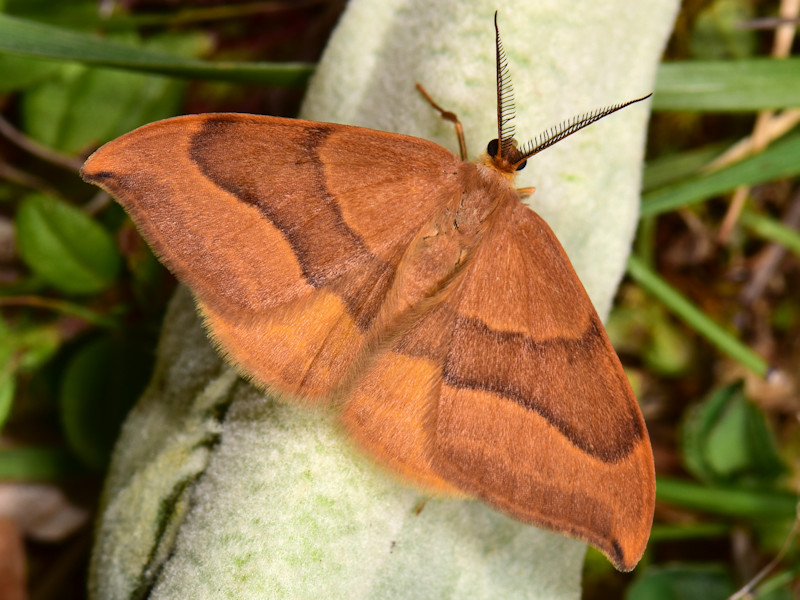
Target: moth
[414,289]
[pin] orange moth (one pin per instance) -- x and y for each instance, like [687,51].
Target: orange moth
[414,289]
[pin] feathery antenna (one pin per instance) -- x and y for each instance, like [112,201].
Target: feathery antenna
[503,152]
[505,96]
[555,134]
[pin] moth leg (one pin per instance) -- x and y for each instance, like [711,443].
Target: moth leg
[448,116]
[525,192]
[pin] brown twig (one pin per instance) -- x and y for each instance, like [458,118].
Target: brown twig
[22,178]
[35,148]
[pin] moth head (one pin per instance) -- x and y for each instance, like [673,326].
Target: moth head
[509,161]
[503,153]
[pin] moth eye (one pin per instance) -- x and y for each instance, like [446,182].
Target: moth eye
[521,165]
[492,148]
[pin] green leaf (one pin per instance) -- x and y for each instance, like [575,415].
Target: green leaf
[644,328]
[695,429]
[65,247]
[23,348]
[7,390]
[740,443]
[682,582]
[29,38]
[726,438]
[669,352]
[728,85]
[37,463]
[777,161]
[81,107]
[100,385]
[6,345]
[34,345]
[20,72]
[26,347]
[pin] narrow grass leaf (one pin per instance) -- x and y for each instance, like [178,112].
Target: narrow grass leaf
[29,38]
[770,229]
[728,85]
[728,501]
[778,161]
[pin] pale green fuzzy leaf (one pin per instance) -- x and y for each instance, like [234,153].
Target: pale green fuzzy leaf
[218,492]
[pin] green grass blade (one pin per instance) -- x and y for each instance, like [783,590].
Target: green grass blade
[772,230]
[777,161]
[731,85]
[673,168]
[663,533]
[29,38]
[87,15]
[694,317]
[733,502]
